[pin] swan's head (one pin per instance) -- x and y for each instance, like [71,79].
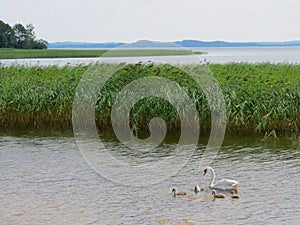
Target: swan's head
[173,190]
[204,171]
[213,192]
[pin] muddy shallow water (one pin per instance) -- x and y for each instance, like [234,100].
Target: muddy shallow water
[45,180]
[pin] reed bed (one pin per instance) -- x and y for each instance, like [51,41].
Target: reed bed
[10,53]
[260,98]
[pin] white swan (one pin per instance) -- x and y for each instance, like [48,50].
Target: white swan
[224,184]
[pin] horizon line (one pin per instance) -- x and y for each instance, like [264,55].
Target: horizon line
[208,41]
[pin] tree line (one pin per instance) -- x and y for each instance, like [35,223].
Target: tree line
[19,36]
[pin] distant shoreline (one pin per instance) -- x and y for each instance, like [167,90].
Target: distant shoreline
[178,44]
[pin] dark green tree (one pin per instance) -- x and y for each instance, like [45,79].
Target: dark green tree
[30,36]
[21,35]
[25,37]
[7,36]
[40,44]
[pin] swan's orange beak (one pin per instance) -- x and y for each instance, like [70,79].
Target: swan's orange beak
[204,172]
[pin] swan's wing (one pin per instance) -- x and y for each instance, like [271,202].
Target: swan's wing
[226,184]
[231,182]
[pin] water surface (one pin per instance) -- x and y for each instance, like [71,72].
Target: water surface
[45,180]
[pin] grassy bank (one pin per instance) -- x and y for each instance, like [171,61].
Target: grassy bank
[8,53]
[260,98]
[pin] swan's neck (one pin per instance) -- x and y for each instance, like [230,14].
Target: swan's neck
[211,184]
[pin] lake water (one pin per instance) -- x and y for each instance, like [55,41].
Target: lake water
[45,180]
[214,55]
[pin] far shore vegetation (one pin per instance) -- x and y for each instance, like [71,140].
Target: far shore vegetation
[260,99]
[19,42]
[10,53]
[20,37]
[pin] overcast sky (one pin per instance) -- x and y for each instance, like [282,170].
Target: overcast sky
[160,20]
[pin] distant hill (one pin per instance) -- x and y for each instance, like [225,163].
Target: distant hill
[195,43]
[156,44]
[69,44]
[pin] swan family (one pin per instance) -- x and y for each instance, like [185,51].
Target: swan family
[224,185]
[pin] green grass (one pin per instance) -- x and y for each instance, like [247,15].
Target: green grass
[263,98]
[260,98]
[8,53]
